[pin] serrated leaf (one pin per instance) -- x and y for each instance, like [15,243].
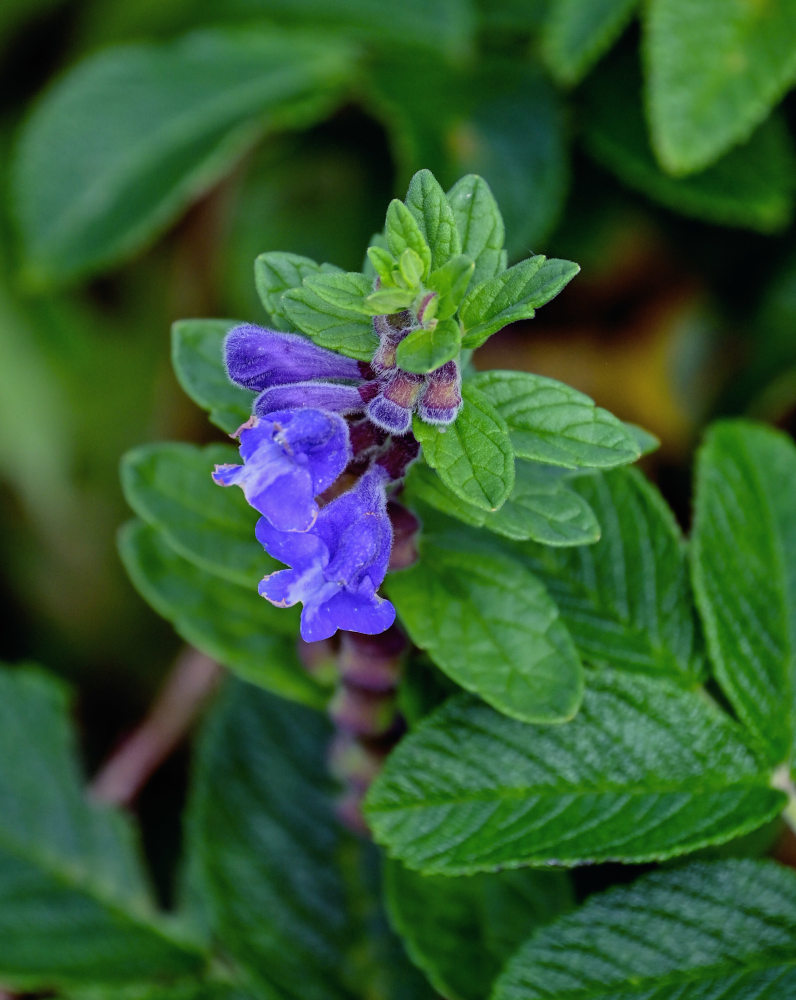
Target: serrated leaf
[169,486]
[197,354]
[513,295]
[493,914]
[276,273]
[426,201]
[540,507]
[473,455]
[188,109]
[425,350]
[577,32]
[715,70]
[480,225]
[403,232]
[744,560]
[232,624]
[644,771]
[489,624]
[331,310]
[553,423]
[266,842]
[725,929]
[751,186]
[75,904]
[626,600]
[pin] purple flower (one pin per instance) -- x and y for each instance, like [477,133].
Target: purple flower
[322,395]
[258,358]
[337,566]
[289,458]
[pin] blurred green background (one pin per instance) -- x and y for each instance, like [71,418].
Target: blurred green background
[151,148]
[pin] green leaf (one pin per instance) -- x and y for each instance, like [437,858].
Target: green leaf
[425,350]
[473,456]
[752,186]
[480,225]
[726,929]
[232,624]
[403,232]
[169,486]
[192,990]
[426,201]
[626,600]
[513,295]
[389,300]
[331,310]
[552,423]
[76,906]
[150,128]
[577,32]
[744,570]
[379,263]
[644,771]
[276,273]
[540,507]
[266,842]
[490,625]
[197,354]
[451,281]
[715,71]
[492,914]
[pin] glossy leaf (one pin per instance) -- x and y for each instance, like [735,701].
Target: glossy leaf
[75,903]
[715,70]
[644,771]
[169,486]
[626,600]
[461,931]
[197,354]
[726,929]
[187,110]
[744,566]
[577,32]
[473,456]
[276,273]
[512,295]
[232,624]
[480,225]
[489,624]
[426,200]
[551,422]
[266,841]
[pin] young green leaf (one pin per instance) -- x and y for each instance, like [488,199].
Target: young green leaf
[744,558]
[232,624]
[490,914]
[189,109]
[513,295]
[389,300]
[644,771]
[426,201]
[403,232]
[76,905]
[577,32]
[197,354]
[489,624]
[724,929]
[169,486]
[451,281]
[382,262]
[331,310]
[552,423]
[626,600]
[751,186]
[480,225]
[715,70]
[424,350]
[276,273]
[266,843]
[473,456]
